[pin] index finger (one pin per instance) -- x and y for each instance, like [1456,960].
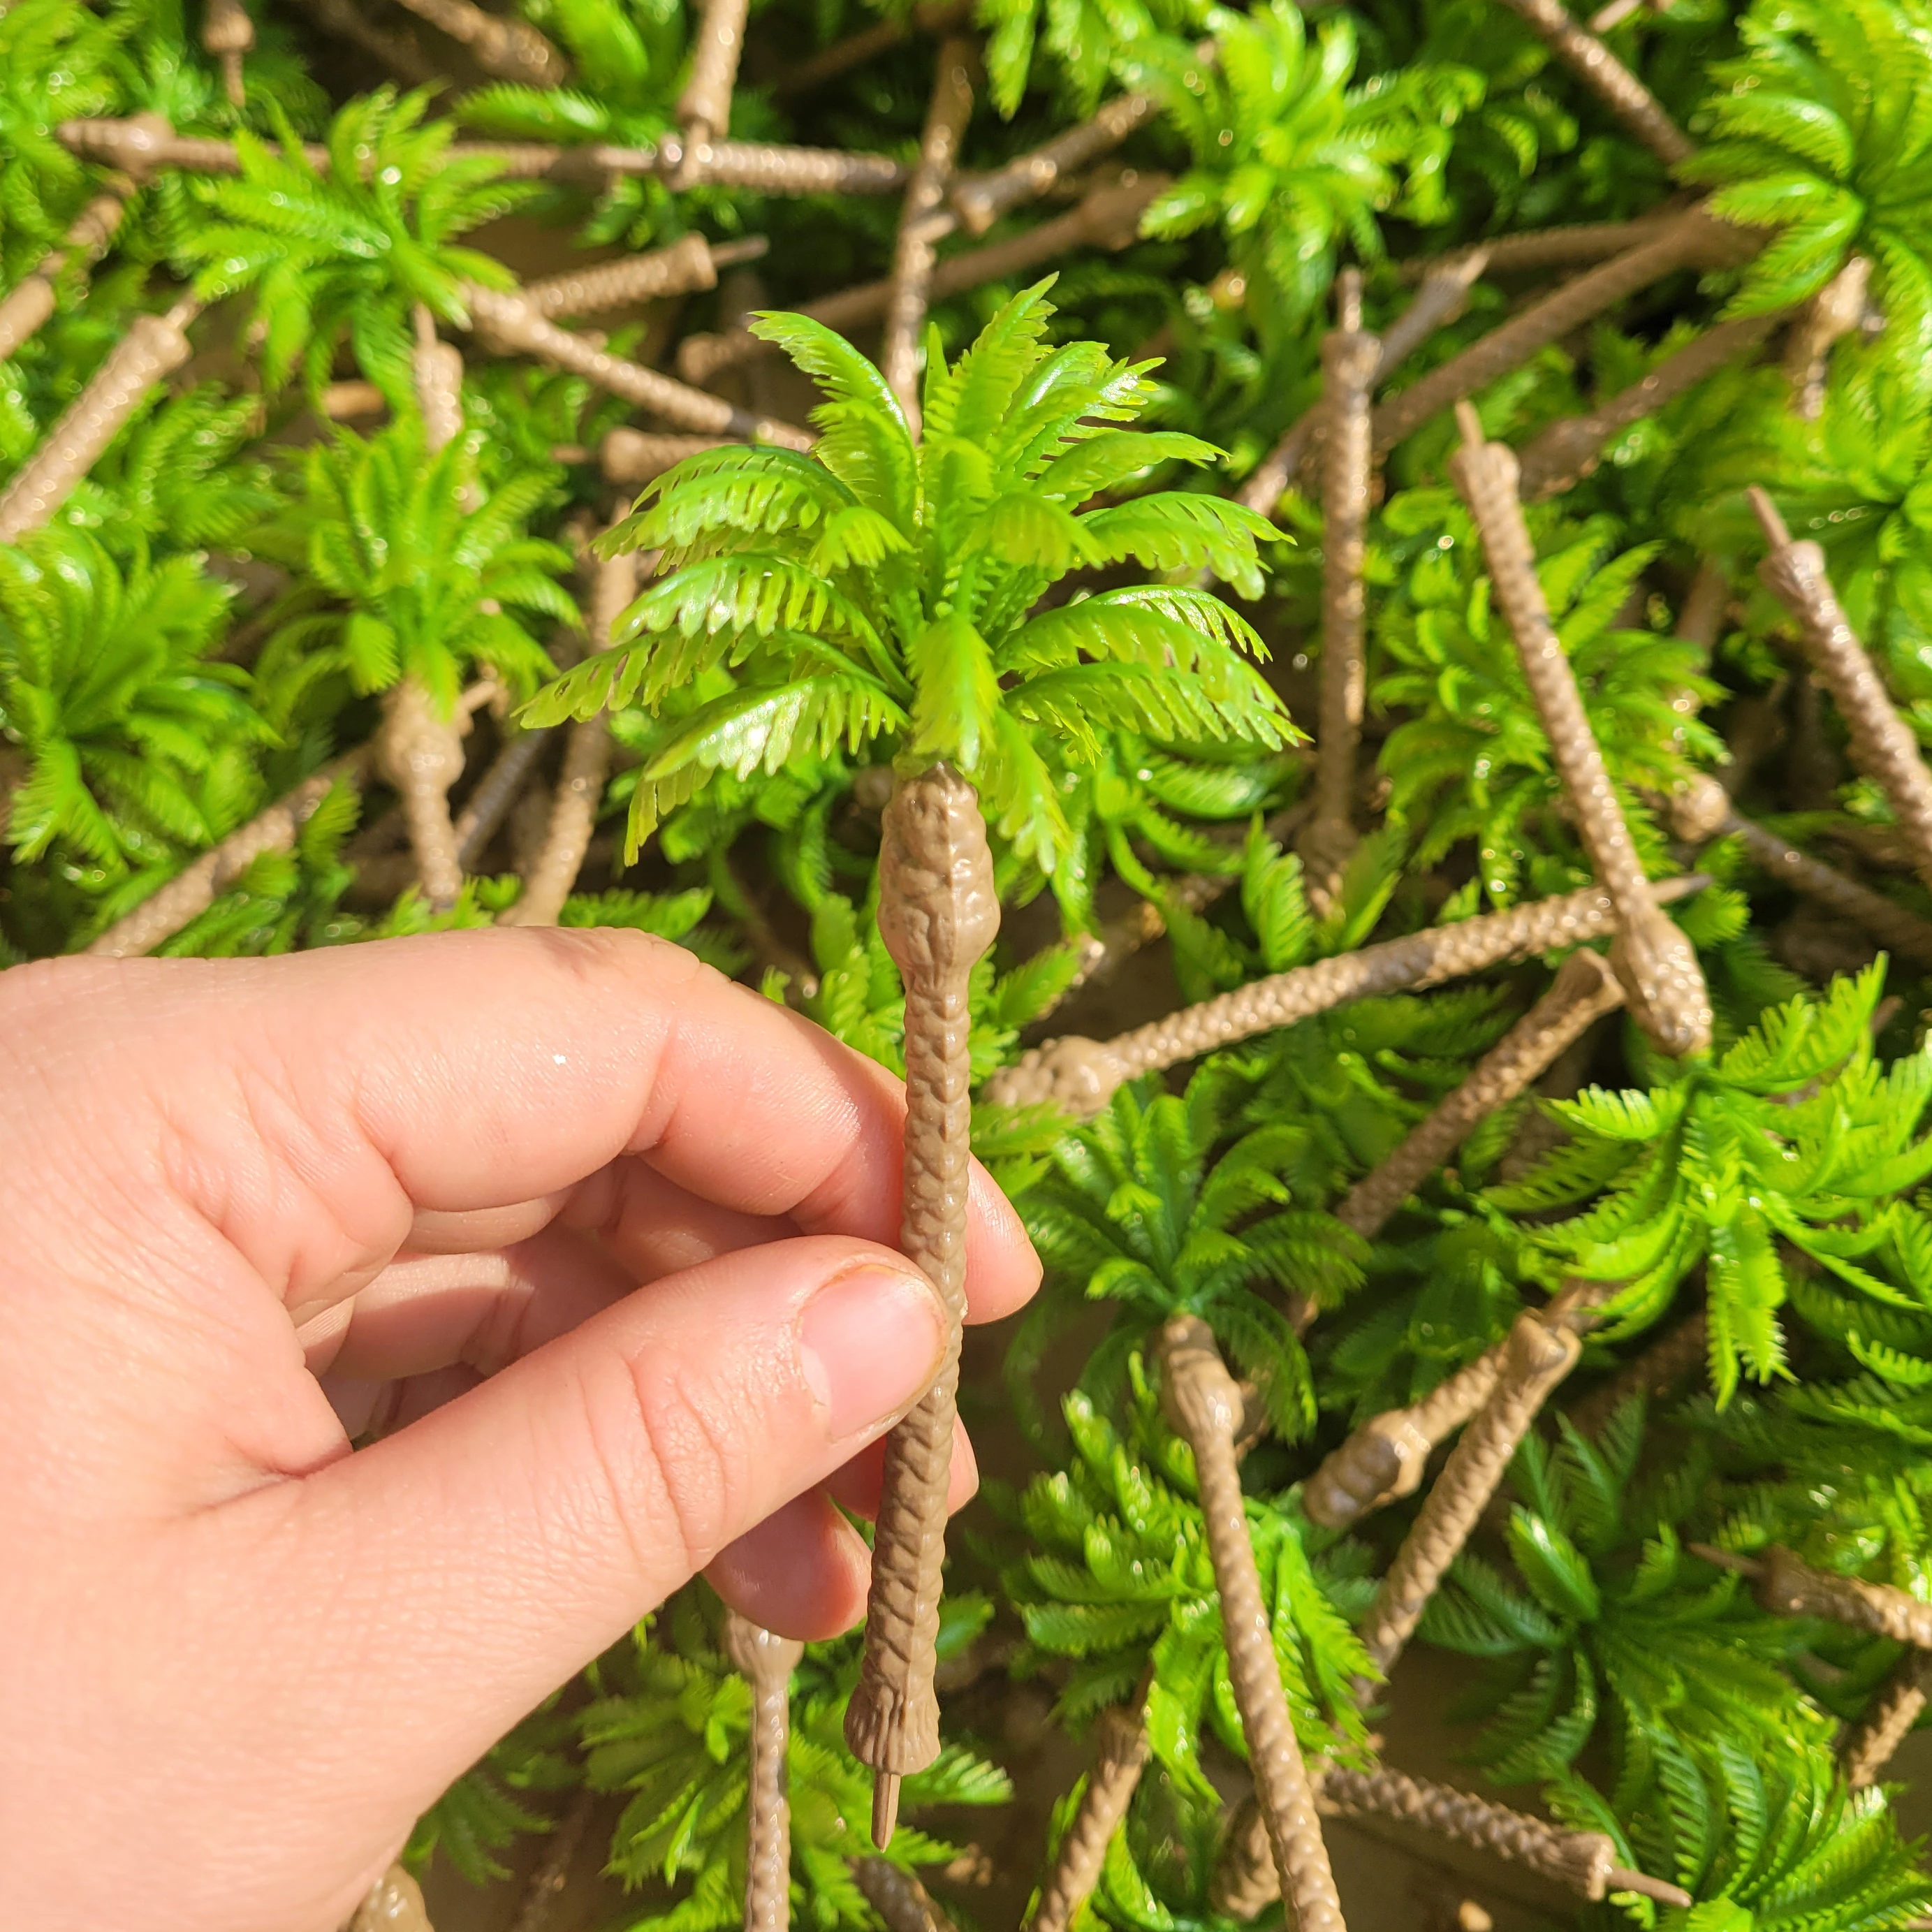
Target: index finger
[312,1105]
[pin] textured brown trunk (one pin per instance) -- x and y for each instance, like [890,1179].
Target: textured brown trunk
[923,220]
[548,1882]
[856,49]
[1350,357]
[1584,990]
[1384,1458]
[1607,78]
[28,305]
[517,326]
[898,1897]
[1663,1368]
[629,458]
[981,200]
[495,793]
[768,165]
[1585,1861]
[228,33]
[1874,1741]
[1204,1406]
[1570,246]
[1564,452]
[1831,314]
[420,754]
[1656,963]
[1109,218]
[1883,746]
[586,764]
[1539,1357]
[939,911]
[704,107]
[154,346]
[510,50]
[1081,1074]
[437,370]
[350,402]
[766,1663]
[1692,239]
[187,895]
[1119,1756]
[1788,1586]
[690,262]
[394,1904]
[1244,1883]
[1705,811]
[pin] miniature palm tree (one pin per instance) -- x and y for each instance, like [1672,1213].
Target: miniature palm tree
[881,588]
[344,256]
[408,592]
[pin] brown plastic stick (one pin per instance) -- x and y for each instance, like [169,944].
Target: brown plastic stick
[898,1897]
[770,166]
[29,303]
[1606,77]
[394,1903]
[1663,1368]
[1350,357]
[1539,1357]
[1569,246]
[507,49]
[1244,1883]
[1788,1586]
[497,790]
[548,1882]
[1874,1741]
[766,1662]
[437,370]
[690,262]
[1384,1458]
[1109,218]
[981,200]
[1705,811]
[419,752]
[922,220]
[153,346]
[190,892]
[229,34]
[1569,449]
[515,324]
[1883,746]
[1081,1074]
[931,17]
[1656,963]
[630,458]
[1121,1752]
[704,107]
[586,763]
[1204,1405]
[1585,1861]
[1584,990]
[1692,239]
[939,911]
[1832,313]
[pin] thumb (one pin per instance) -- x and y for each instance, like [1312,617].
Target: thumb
[456,1572]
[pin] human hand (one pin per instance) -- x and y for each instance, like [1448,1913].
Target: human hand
[253,1207]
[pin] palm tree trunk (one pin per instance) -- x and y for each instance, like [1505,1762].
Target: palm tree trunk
[981,200]
[1384,1459]
[766,1663]
[1081,1074]
[1692,239]
[548,1882]
[586,764]
[1606,77]
[930,16]
[1568,246]
[1244,1883]
[1656,963]
[394,1904]
[1883,746]
[1832,313]
[509,50]
[438,374]
[629,458]
[690,262]
[1584,990]
[1705,811]
[898,1897]
[228,34]
[153,346]
[923,220]
[1350,357]
[1788,1586]
[1204,1406]
[1874,1742]
[1539,1356]
[28,305]
[939,911]
[1119,1756]
[704,107]
[1564,452]
[1667,1363]
[1109,218]
[420,753]
[517,326]
[494,794]
[189,894]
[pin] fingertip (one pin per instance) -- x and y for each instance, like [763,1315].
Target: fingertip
[1003,1271]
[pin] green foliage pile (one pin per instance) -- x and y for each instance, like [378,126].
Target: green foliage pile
[216,613]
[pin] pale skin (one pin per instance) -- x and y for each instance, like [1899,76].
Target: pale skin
[594,1240]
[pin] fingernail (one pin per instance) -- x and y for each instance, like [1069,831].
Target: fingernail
[869,1342]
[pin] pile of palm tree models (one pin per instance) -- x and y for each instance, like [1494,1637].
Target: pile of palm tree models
[1389,546]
